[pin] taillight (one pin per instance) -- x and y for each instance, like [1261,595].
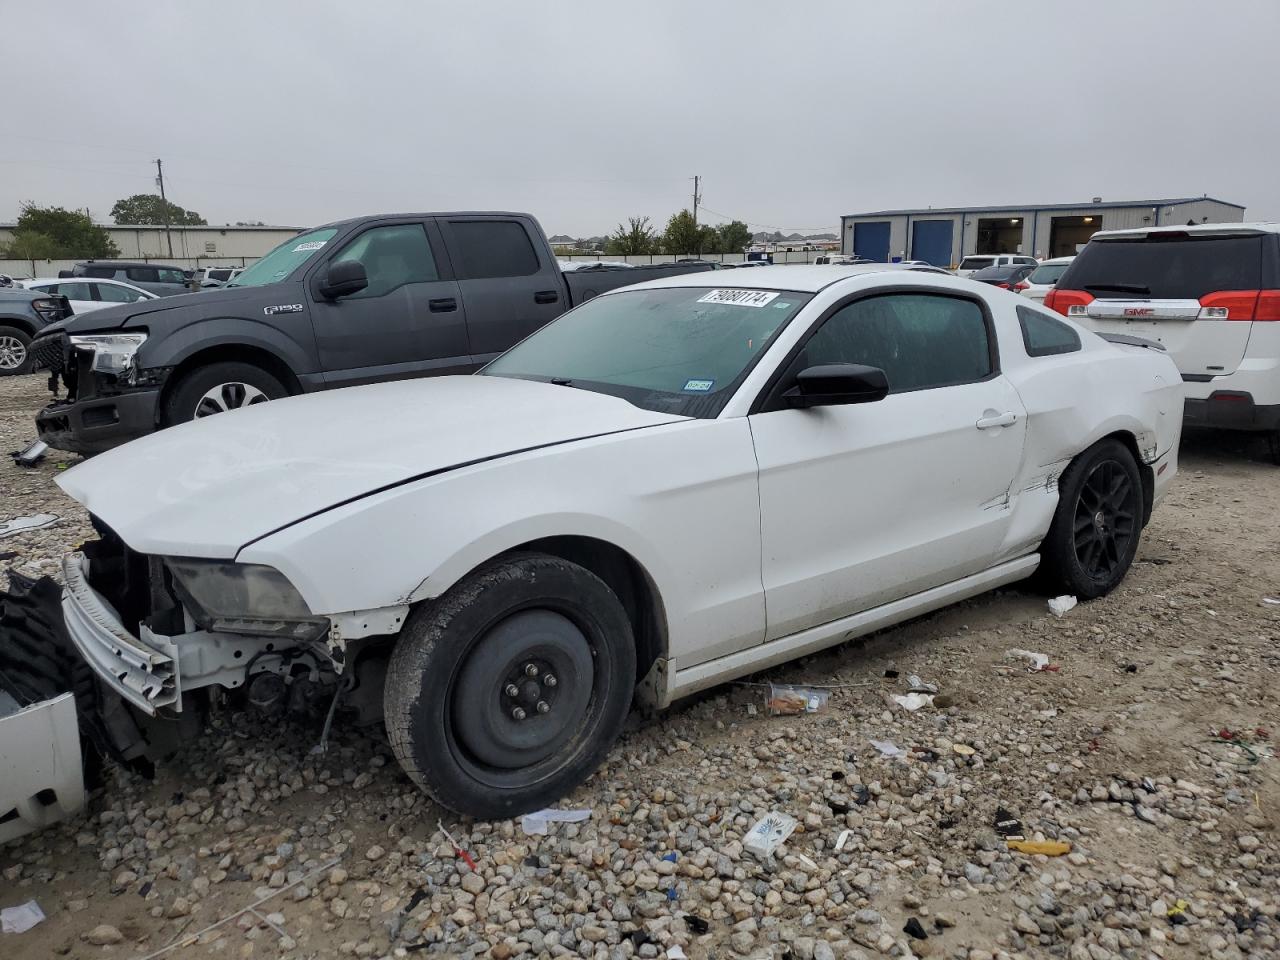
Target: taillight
[1069,303]
[1021,285]
[1002,285]
[1240,305]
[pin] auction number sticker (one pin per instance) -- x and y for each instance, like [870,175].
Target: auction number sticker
[309,245]
[740,298]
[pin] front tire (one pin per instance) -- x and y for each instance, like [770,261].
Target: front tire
[509,690]
[219,387]
[1095,531]
[15,353]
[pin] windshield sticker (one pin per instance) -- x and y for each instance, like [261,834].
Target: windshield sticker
[698,386]
[308,246]
[740,298]
[781,306]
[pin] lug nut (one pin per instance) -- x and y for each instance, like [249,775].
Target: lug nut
[543,706]
[511,690]
[530,670]
[549,680]
[518,713]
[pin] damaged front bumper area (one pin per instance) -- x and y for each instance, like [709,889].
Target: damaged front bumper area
[100,410]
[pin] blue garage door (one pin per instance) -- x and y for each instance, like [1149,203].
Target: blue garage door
[871,240]
[931,241]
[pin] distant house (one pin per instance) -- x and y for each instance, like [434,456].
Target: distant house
[561,240]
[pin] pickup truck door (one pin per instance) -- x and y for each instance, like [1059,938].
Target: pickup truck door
[508,278]
[410,321]
[863,504]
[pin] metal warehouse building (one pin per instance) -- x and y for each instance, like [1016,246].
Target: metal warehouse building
[944,235]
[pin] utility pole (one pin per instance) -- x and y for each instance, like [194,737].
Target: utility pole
[696,179]
[164,205]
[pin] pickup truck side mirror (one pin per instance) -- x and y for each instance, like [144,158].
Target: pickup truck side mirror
[835,384]
[343,279]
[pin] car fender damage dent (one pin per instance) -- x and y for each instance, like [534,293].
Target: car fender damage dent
[357,624]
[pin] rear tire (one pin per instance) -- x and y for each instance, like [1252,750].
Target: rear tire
[508,691]
[1095,531]
[15,352]
[1273,446]
[219,387]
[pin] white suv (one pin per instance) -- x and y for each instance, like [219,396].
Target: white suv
[1210,294]
[980,261]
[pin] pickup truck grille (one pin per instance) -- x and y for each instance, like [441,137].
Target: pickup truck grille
[51,352]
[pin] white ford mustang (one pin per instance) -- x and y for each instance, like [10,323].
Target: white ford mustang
[672,485]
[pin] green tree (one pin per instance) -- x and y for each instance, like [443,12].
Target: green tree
[684,236]
[147,208]
[733,237]
[30,245]
[73,233]
[635,238]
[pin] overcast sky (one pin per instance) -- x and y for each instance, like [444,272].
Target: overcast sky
[587,113]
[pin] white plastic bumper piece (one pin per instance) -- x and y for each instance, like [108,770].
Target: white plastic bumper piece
[41,777]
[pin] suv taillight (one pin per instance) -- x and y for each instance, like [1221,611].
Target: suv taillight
[1069,303]
[1021,285]
[1240,305]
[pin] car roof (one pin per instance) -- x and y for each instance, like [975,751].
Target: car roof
[797,278]
[1057,260]
[1198,228]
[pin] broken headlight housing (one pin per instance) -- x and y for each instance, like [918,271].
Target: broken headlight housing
[112,352]
[249,598]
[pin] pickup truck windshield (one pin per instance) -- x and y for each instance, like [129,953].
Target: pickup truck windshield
[680,350]
[284,259]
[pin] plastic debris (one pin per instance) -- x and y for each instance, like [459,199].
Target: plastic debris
[1048,848]
[1060,606]
[457,847]
[1039,661]
[785,699]
[1177,914]
[36,521]
[963,749]
[891,674]
[888,748]
[676,952]
[916,685]
[769,833]
[913,701]
[535,824]
[698,925]
[843,839]
[862,795]
[1007,825]
[21,918]
[914,930]
[30,455]
[1271,601]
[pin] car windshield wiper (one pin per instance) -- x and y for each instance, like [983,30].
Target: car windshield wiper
[1119,287]
[560,382]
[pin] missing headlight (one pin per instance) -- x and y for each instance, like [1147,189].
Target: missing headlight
[244,598]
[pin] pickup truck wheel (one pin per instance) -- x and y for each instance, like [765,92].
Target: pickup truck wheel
[510,689]
[1094,535]
[15,358]
[220,387]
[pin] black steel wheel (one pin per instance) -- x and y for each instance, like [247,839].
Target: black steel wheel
[1095,531]
[508,691]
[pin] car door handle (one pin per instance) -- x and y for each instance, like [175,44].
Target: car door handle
[443,305]
[997,420]
[546,296]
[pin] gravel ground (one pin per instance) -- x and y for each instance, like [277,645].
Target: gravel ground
[1172,833]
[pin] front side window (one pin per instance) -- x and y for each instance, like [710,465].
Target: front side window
[1045,336]
[392,257]
[681,350]
[920,341]
[110,293]
[171,275]
[72,291]
[484,249]
[284,259]
[143,274]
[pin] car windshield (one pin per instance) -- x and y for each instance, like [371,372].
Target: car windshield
[681,350]
[1048,273]
[284,259]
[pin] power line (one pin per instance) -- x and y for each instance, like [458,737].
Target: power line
[766,226]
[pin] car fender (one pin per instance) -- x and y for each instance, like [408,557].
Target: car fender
[681,499]
[292,343]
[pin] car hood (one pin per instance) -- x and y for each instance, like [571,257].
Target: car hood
[209,487]
[214,302]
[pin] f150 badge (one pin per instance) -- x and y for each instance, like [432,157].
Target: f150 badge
[282,308]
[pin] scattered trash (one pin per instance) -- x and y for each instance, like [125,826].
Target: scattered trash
[838,807]
[30,455]
[1039,661]
[672,895]
[837,774]
[888,748]
[1048,848]
[676,952]
[696,924]
[785,699]
[916,685]
[8,554]
[36,521]
[1271,601]
[457,847]
[963,749]
[913,701]
[751,710]
[914,930]
[1177,914]
[891,674]
[1007,825]
[1130,668]
[671,857]
[535,824]
[843,839]
[769,833]
[1060,606]
[862,795]
[21,918]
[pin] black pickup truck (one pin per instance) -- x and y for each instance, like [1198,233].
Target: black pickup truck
[362,300]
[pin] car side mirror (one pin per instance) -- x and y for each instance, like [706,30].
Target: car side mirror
[835,384]
[343,279]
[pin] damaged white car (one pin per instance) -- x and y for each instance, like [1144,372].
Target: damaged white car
[672,485]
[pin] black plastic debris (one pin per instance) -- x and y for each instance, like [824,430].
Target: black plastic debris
[861,795]
[1130,668]
[30,455]
[891,674]
[837,774]
[1007,825]
[696,924]
[144,889]
[914,930]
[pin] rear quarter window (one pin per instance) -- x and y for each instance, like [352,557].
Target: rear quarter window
[1044,336]
[1176,266]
